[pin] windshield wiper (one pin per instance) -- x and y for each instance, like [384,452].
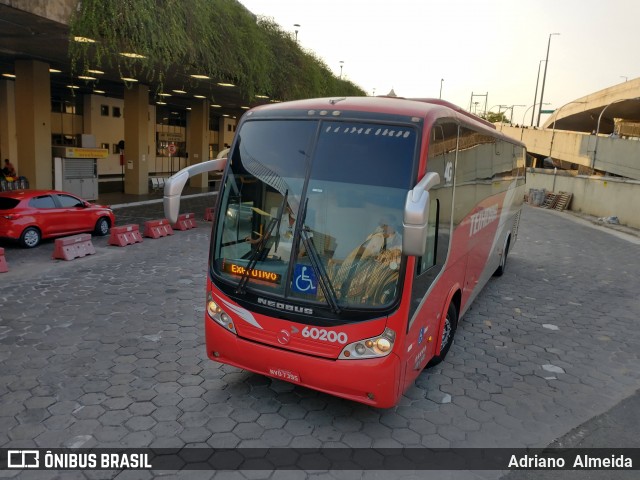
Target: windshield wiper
[260,246]
[316,263]
[280,212]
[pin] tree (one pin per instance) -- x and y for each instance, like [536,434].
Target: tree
[495,117]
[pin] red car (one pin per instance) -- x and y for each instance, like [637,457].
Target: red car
[31,215]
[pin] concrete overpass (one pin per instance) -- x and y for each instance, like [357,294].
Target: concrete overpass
[582,151]
[581,115]
[602,171]
[569,135]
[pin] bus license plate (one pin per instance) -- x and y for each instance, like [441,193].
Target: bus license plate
[287,375]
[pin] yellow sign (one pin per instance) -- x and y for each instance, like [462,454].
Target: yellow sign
[74,152]
[170,136]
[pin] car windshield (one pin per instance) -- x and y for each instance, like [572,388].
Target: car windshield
[312,211]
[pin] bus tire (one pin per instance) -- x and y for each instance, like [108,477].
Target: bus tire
[448,332]
[503,260]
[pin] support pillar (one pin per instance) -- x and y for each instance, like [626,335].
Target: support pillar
[136,143]
[33,123]
[199,146]
[8,142]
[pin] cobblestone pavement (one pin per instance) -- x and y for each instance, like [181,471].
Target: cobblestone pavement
[108,351]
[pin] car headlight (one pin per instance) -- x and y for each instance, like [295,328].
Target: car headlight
[374,347]
[221,317]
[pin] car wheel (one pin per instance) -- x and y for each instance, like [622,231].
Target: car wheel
[448,332]
[102,227]
[30,237]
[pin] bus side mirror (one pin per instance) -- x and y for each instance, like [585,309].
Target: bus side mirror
[416,216]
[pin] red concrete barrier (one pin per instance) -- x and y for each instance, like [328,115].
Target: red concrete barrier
[125,235]
[186,221]
[68,248]
[3,262]
[208,214]
[157,228]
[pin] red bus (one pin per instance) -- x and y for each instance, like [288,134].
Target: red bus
[350,235]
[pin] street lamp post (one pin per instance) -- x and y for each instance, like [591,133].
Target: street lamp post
[512,107]
[535,96]
[524,115]
[595,149]
[553,130]
[341,65]
[501,114]
[509,107]
[544,77]
[441,80]
[500,107]
[297,27]
[486,100]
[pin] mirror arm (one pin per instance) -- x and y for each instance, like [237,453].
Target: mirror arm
[175,184]
[430,180]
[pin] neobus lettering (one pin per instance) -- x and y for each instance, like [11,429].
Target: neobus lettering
[285,306]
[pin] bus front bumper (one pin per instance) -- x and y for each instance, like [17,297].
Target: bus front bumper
[374,382]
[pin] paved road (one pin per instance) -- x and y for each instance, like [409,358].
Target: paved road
[108,351]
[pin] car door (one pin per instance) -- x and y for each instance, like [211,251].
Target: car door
[46,215]
[76,218]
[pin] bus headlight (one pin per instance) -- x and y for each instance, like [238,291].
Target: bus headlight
[375,347]
[218,315]
[383,345]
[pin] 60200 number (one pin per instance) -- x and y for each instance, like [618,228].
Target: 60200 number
[324,335]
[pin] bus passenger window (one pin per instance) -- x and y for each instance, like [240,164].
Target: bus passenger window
[429,259]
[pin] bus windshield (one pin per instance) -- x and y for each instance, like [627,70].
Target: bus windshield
[311,211]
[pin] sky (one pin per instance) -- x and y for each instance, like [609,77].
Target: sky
[491,48]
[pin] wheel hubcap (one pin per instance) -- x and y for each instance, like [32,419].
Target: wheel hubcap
[446,333]
[31,238]
[104,227]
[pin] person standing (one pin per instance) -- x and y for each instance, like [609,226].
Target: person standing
[9,170]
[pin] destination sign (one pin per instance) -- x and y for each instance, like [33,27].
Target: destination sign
[264,275]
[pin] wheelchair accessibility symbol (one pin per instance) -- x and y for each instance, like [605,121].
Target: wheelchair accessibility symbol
[304,280]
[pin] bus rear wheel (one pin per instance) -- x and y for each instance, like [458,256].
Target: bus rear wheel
[448,332]
[503,261]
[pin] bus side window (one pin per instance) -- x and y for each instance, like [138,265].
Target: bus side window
[429,259]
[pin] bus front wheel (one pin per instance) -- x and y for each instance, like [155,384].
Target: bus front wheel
[448,332]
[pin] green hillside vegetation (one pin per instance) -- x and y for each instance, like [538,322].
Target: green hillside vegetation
[219,38]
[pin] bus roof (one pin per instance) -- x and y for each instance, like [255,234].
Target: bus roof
[429,109]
